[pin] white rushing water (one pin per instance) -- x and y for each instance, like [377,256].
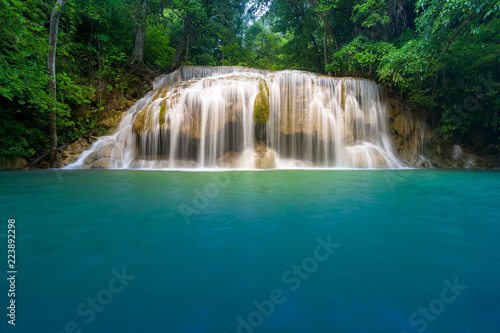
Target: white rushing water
[203,117]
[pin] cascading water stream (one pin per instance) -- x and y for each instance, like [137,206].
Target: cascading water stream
[233,117]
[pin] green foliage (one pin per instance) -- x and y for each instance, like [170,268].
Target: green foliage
[361,57]
[24,81]
[301,27]
[409,67]
[112,71]
[14,139]
[327,5]
[444,67]
[371,12]
[158,52]
[263,47]
[23,54]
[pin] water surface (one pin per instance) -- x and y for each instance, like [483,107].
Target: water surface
[209,251]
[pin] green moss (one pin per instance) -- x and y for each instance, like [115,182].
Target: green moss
[138,126]
[163,111]
[261,109]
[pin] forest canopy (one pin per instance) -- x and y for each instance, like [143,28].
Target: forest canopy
[439,55]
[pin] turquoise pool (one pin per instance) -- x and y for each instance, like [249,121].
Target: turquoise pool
[249,251]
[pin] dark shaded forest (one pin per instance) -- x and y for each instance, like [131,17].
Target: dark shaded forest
[438,55]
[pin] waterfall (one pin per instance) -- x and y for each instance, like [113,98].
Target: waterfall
[235,117]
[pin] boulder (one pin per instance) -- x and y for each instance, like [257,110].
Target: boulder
[110,151]
[264,157]
[230,159]
[107,151]
[93,156]
[105,163]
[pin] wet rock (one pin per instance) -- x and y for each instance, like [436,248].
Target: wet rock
[74,150]
[230,160]
[108,151]
[105,163]
[456,152]
[398,125]
[264,157]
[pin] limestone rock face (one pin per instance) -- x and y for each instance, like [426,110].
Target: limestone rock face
[418,143]
[105,157]
[110,151]
[398,124]
[360,158]
[264,157]
[188,107]
[105,163]
[230,159]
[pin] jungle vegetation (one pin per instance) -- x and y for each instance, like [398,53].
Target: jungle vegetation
[439,55]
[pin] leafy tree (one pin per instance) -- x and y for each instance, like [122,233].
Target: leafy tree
[264,47]
[361,57]
[24,97]
[452,36]
[158,51]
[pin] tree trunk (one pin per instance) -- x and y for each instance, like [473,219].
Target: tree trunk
[51,65]
[137,58]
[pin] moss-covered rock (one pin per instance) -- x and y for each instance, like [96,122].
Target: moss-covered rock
[262,108]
